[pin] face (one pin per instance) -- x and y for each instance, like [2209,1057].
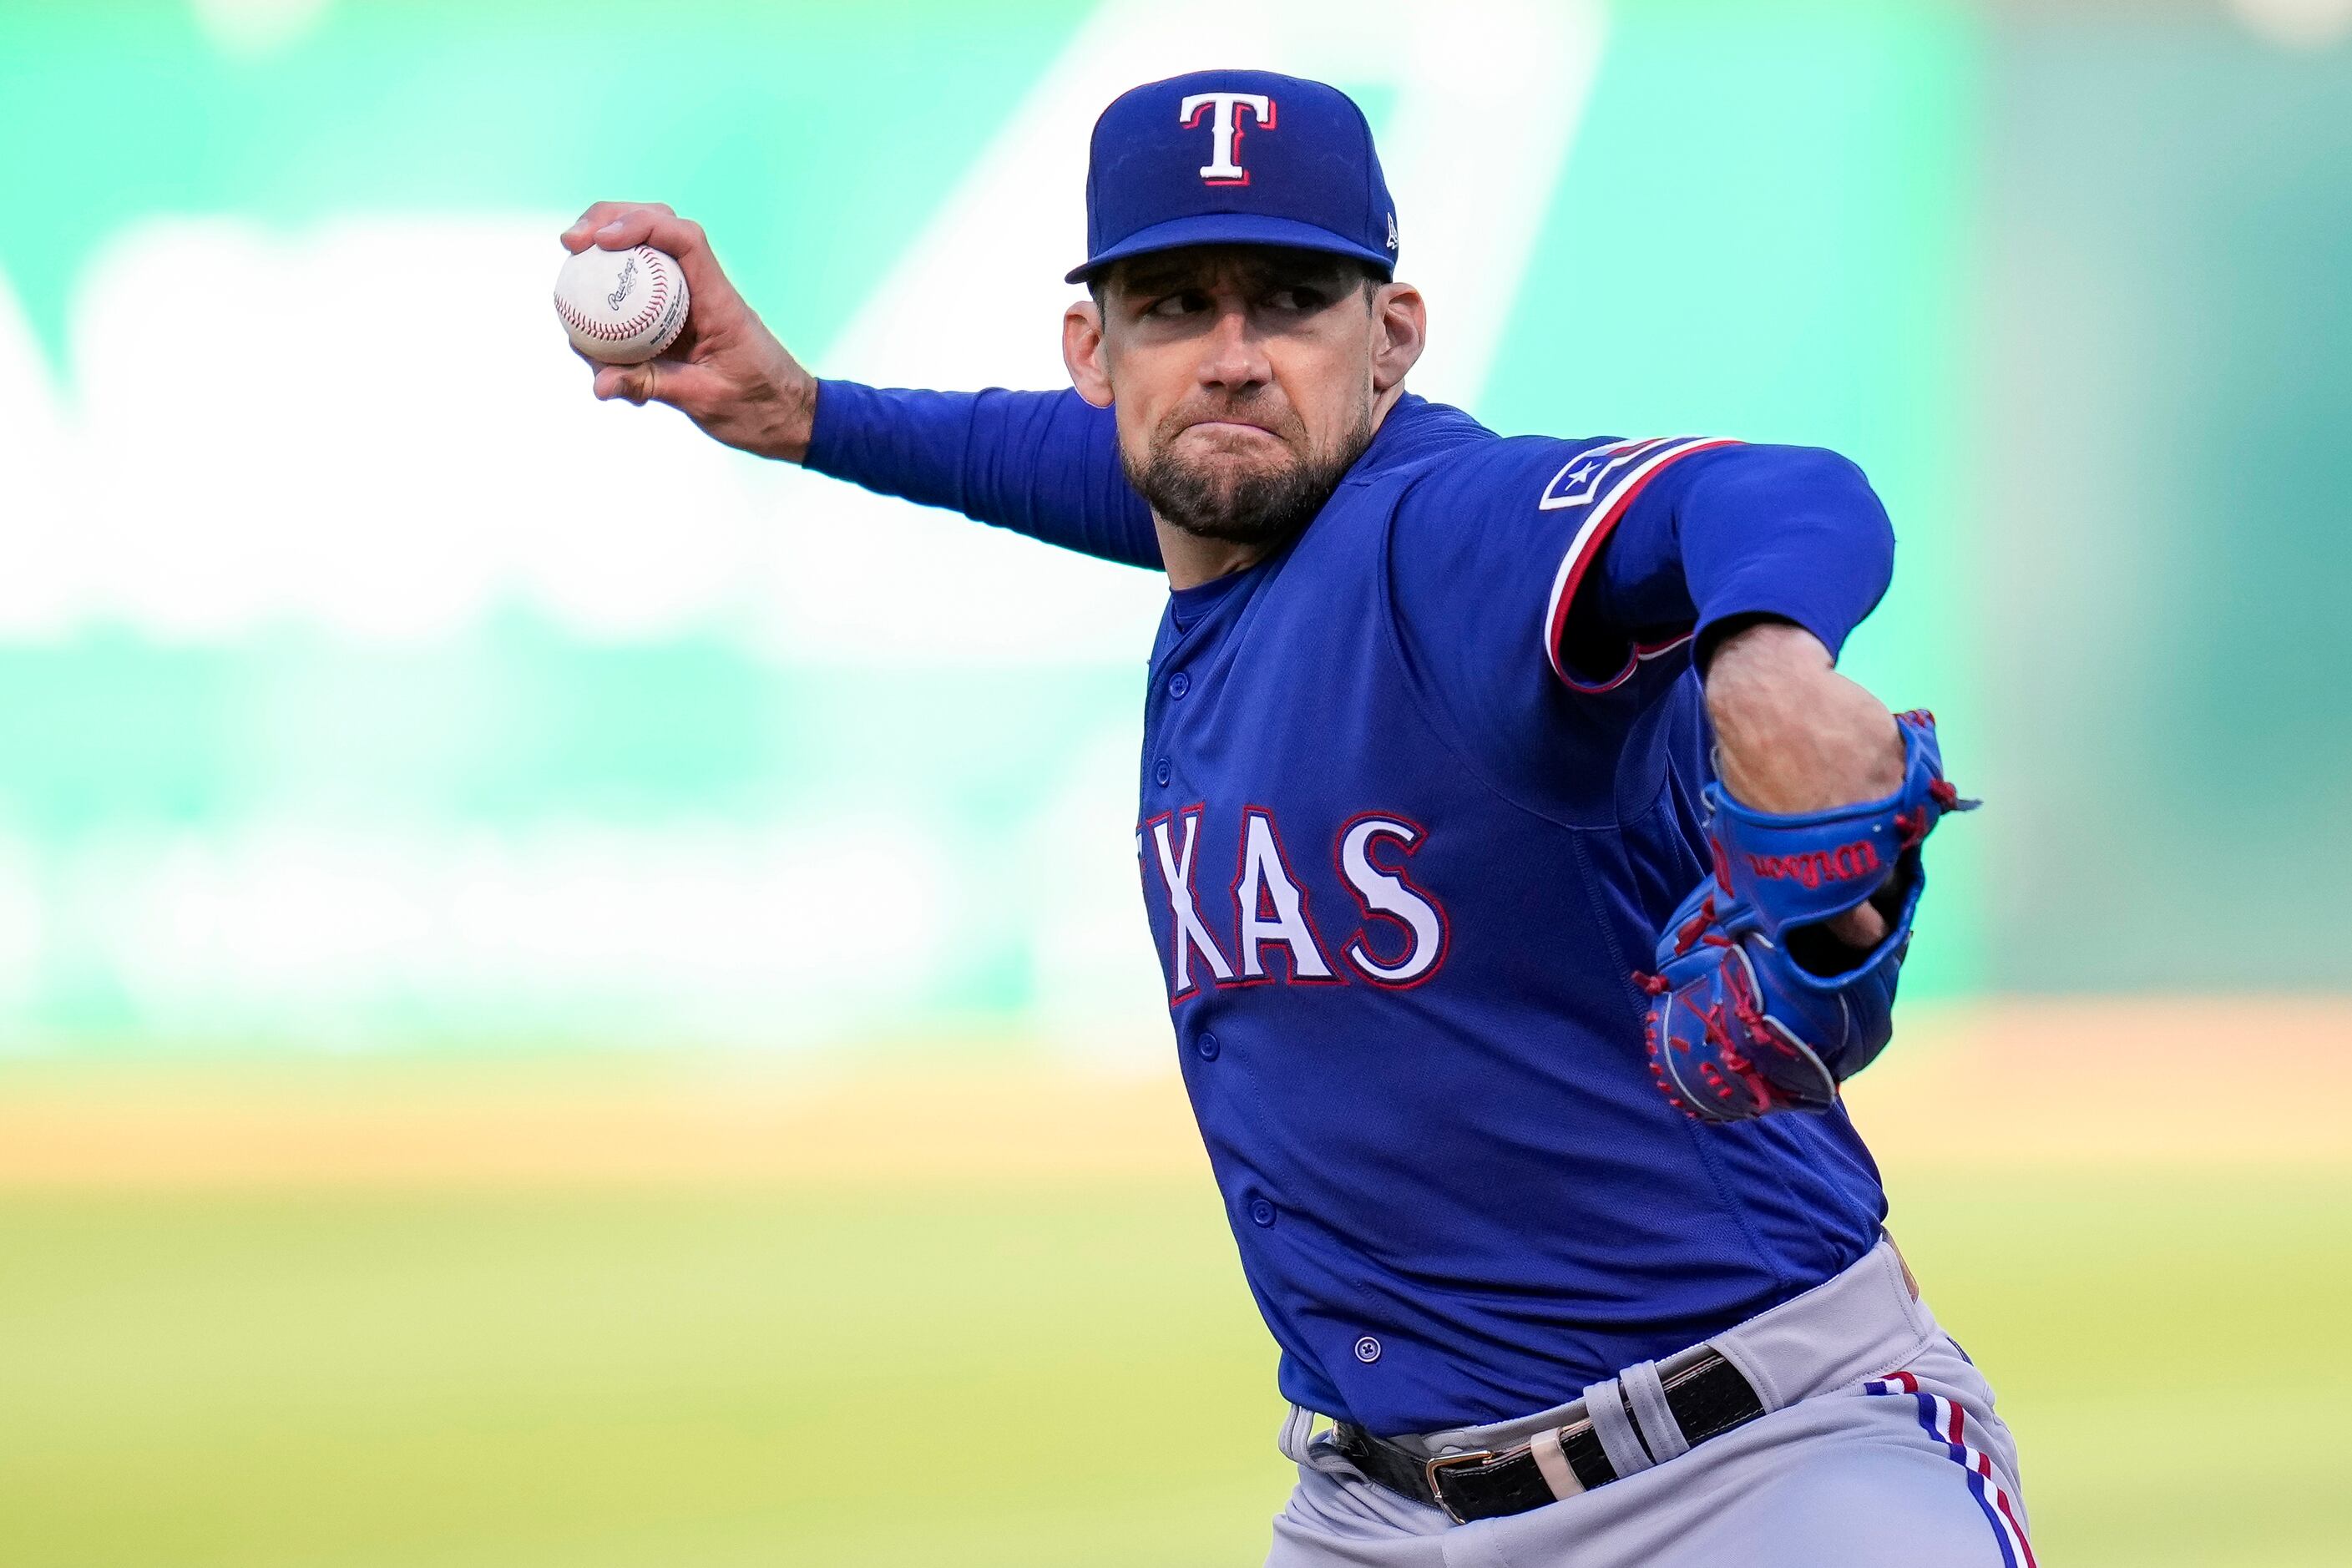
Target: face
[1245,380]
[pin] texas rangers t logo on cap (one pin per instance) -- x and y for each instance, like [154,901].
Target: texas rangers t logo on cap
[1314,186]
[1225,168]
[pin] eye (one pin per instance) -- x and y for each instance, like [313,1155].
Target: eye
[1183,304]
[1301,298]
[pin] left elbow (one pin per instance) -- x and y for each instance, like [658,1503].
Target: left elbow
[1817,482]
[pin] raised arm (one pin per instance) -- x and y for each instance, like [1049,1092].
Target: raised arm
[1775,975]
[1571,596]
[1041,463]
[1768,557]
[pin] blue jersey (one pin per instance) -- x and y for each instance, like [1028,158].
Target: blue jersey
[1402,852]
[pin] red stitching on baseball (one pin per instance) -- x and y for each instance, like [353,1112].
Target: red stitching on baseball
[648,314]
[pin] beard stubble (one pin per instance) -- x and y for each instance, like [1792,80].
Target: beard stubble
[1254,505]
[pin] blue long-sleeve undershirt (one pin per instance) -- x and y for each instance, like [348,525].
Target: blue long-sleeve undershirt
[1041,463]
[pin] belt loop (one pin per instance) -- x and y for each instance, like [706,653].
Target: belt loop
[1297,1435]
[1552,1464]
[1646,1391]
[1910,1280]
[1301,1446]
[1605,1406]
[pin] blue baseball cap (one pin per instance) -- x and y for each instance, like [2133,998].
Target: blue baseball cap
[1232,157]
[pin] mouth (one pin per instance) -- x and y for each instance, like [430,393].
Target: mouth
[1229,428]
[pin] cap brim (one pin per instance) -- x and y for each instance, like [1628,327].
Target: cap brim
[1230,229]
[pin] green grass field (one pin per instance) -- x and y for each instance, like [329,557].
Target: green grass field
[990,1373]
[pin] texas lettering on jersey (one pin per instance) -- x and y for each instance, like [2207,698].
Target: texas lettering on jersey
[1261,927]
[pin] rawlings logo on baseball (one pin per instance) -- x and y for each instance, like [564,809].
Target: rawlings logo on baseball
[621,307]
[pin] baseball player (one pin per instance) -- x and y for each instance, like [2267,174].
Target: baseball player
[1524,875]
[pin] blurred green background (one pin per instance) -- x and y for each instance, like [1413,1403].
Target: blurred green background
[369,691]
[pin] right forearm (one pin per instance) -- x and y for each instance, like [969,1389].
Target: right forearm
[1043,463]
[908,444]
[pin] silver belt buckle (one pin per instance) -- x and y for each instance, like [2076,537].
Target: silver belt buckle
[1429,1469]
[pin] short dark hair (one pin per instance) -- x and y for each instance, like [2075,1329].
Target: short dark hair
[1343,275]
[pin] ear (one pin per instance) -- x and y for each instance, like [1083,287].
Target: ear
[1081,352]
[1400,332]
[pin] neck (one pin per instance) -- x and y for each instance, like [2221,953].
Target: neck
[1190,560]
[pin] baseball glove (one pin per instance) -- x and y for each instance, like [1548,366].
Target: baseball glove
[1750,1010]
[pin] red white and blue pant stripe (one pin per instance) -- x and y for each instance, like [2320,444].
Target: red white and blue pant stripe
[1947,1424]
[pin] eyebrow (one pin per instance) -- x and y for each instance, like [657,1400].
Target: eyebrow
[1160,279]
[1256,273]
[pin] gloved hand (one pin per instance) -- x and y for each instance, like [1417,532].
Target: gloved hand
[1752,1010]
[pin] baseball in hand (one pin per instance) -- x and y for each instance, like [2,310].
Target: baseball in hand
[622,307]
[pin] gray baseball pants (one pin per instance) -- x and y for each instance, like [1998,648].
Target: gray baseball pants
[1879,1445]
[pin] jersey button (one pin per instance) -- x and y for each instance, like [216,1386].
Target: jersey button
[1261,1213]
[1179,684]
[1206,1044]
[1163,771]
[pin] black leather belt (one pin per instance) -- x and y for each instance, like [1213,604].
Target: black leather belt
[1709,1398]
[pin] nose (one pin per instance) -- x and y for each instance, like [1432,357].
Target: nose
[1233,357]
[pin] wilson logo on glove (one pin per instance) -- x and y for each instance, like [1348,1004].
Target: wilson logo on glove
[1842,864]
[1736,1026]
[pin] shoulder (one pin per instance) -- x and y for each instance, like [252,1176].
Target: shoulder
[1555,474]
[1479,498]
[1506,468]
[1506,493]
[1472,539]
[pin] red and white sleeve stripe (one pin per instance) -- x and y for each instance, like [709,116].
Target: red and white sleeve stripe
[1597,487]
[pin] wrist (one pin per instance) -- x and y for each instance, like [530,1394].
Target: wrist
[789,424]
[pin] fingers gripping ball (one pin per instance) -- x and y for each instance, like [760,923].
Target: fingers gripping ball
[1738,1027]
[622,307]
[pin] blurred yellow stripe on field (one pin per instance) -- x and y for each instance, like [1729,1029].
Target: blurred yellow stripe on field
[2096,1081]
[584,1121]
[2142,1081]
